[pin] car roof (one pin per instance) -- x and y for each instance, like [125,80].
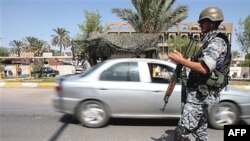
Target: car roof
[149,60]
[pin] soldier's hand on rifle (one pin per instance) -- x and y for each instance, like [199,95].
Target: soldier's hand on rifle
[176,57]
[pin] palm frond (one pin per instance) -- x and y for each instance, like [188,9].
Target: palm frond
[128,15]
[152,16]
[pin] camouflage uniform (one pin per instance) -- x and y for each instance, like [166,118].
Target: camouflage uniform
[195,111]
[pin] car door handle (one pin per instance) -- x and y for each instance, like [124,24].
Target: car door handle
[103,89]
[157,91]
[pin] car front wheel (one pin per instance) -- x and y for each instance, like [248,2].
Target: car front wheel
[224,113]
[92,114]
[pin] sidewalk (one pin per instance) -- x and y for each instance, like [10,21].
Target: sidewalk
[52,84]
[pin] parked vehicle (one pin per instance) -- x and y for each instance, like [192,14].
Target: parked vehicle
[135,88]
[48,71]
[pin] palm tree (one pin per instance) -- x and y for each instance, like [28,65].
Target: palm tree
[177,43]
[180,44]
[235,54]
[61,39]
[30,43]
[16,47]
[41,47]
[152,16]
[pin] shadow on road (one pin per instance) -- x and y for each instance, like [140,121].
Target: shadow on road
[66,120]
[243,122]
[58,132]
[144,122]
[168,136]
[69,119]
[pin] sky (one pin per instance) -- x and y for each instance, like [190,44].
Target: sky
[38,18]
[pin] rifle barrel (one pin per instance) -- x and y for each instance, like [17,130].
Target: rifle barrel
[176,74]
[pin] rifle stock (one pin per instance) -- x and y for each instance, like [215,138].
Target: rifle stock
[176,75]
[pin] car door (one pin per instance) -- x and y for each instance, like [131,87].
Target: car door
[121,89]
[160,75]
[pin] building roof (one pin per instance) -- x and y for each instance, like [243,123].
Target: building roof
[125,42]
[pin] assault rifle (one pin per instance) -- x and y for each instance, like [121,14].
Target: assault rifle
[177,74]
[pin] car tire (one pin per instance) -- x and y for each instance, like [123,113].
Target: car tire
[224,113]
[92,114]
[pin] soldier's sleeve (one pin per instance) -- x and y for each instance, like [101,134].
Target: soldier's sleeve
[214,53]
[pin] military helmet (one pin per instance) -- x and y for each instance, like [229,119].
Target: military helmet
[212,13]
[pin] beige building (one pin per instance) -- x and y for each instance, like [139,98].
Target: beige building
[185,30]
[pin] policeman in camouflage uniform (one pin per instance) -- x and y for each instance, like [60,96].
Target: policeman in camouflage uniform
[205,80]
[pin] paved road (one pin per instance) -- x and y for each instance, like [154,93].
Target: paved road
[26,114]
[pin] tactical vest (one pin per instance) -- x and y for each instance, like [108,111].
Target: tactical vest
[218,78]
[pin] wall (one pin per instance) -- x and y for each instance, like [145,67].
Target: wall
[238,72]
[26,69]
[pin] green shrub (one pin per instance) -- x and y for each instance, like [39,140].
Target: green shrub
[37,67]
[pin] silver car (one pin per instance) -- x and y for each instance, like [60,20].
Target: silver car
[135,88]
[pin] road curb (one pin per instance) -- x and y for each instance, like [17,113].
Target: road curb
[26,85]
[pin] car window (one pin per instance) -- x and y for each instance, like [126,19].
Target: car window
[92,69]
[160,73]
[125,71]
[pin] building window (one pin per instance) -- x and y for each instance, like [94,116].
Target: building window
[113,27]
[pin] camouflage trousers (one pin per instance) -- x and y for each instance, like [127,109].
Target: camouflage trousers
[194,119]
